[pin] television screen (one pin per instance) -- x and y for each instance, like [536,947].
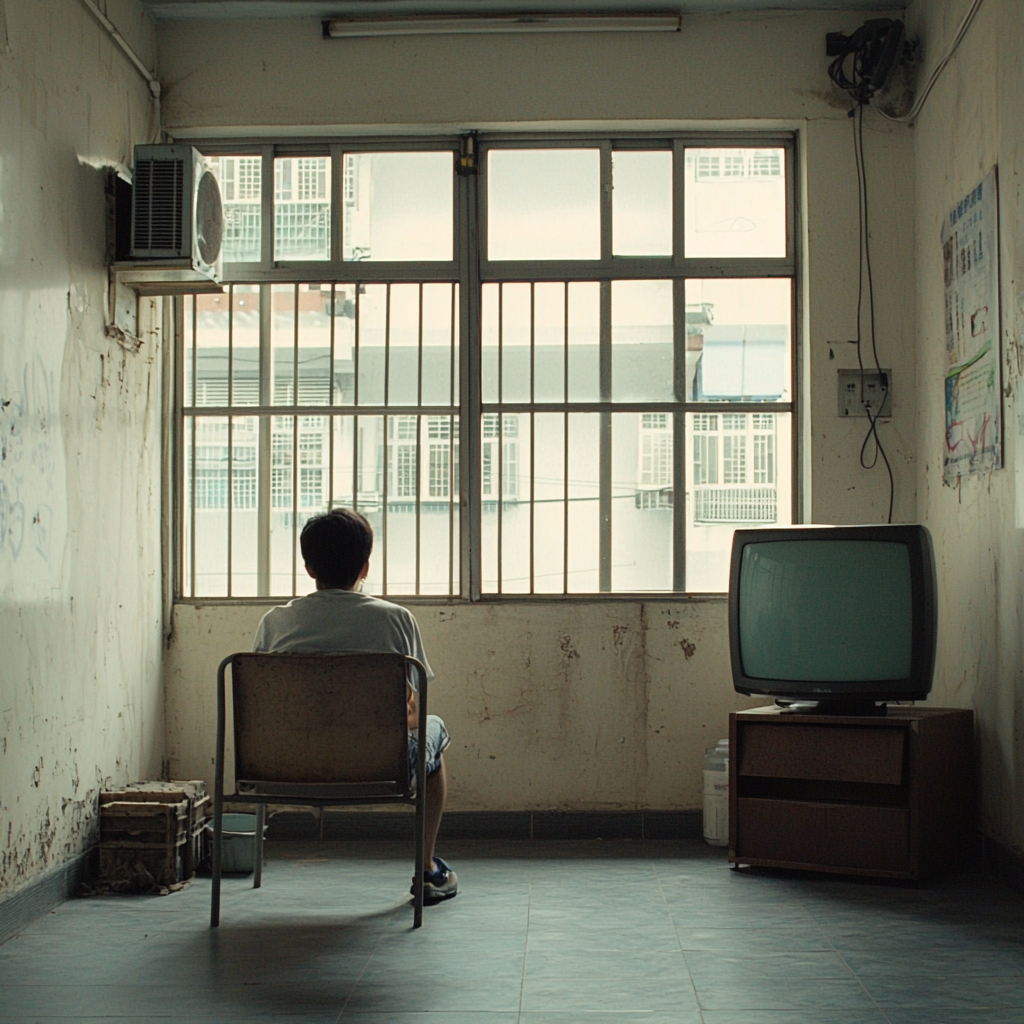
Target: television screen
[833,613]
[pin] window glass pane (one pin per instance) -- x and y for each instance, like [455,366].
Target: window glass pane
[549,503]
[404,341]
[282,344]
[398,206]
[739,474]
[642,501]
[302,208]
[440,344]
[371,332]
[282,503]
[244,499]
[187,461]
[211,505]
[584,337]
[642,203]
[543,204]
[489,348]
[515,305]
[738,339]
[403,484]
[188,354]
[439,507]
[584,503]
[505,497]
[239,178]
[549,341]
[314,347]
[245,343]
[369,475]
[211,312]
[511,479]
[341,478]
[642,342]
[735,202]
[344,320]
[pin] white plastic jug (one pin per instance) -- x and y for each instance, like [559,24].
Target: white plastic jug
[716,794]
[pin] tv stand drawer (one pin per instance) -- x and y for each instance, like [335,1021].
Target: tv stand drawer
[800,833]
[830,753]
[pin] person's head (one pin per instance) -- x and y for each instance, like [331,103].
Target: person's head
[336,548]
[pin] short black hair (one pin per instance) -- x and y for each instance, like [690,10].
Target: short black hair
[336,546]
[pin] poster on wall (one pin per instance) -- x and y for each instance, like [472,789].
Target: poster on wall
[970,260]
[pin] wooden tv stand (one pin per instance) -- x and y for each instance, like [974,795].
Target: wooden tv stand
[891,797]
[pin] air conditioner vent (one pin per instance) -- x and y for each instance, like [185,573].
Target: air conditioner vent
[159,186]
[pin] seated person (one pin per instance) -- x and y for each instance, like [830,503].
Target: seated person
[338,618]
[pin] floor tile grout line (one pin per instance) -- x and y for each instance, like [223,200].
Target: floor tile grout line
[857,978]
[526,947]
[679,941]
[373,953]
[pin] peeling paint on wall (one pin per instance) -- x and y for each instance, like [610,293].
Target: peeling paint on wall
[80,613]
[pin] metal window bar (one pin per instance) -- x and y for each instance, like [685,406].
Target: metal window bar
[605,444]
[500,508]
[384,485]
[231,444]
[452,496]
[331,418]
[295,494]
[419,429]
[565,438]
[355,462]
[192,463]
[231,478]
[453,482]
[418,478]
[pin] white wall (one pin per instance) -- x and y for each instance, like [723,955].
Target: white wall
[623,724]
[80,619]
[971,122]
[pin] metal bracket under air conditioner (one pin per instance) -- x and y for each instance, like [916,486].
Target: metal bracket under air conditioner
[130,281]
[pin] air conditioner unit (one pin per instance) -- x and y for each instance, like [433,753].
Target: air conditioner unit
[176,208]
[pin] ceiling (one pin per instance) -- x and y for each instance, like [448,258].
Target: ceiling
[166,10]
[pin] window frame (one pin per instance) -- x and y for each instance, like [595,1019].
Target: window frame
[470,270]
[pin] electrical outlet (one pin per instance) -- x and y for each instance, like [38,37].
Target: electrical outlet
[875,393]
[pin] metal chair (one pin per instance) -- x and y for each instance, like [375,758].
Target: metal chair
[320,730]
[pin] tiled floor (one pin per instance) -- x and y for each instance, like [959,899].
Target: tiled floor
[542,933]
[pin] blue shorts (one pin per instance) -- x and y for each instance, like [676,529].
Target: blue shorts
[437,743]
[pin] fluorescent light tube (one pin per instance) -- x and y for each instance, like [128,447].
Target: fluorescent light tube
[432,25]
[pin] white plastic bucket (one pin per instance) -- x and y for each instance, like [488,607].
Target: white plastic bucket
[716,794]
[238,846]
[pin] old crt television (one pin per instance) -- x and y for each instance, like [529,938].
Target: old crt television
[833,618]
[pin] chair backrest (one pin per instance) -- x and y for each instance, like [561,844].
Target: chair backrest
[321,718]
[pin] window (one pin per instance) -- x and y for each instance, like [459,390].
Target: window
[623,390]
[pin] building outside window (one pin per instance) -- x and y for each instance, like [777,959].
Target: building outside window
[593,409]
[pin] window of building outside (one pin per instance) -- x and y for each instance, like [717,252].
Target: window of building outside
[569,373]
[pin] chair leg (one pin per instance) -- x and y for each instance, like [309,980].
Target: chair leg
[218,839]
[421,802]
[261,815]
[218,798]
[417,875]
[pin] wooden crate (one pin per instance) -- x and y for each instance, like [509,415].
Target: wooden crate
[193,792]
[142,843]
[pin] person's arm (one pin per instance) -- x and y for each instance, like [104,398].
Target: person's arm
[414,646]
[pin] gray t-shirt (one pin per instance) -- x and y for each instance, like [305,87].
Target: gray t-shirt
[336,621]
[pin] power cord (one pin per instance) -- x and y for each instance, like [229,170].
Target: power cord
[864,262]
[946,57]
